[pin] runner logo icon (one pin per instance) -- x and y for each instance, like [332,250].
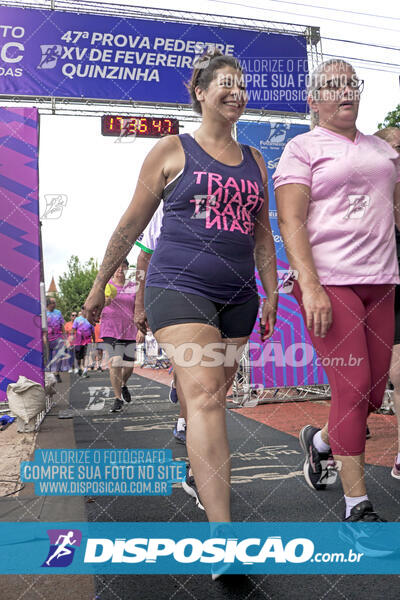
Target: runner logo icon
[63,543]
[358,204]
[278,133]
[50,55]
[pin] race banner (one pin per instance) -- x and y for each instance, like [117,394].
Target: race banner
[288,358]
[64,54]
[20,311]
[199,548]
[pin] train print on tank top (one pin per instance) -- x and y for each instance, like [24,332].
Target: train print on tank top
[206,242]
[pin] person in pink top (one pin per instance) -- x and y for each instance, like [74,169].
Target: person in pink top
[335,190]
[83,336]
[119,334]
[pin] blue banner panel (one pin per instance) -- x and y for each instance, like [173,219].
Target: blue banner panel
[288,358]
[88,472]
[195,548]
[51,53]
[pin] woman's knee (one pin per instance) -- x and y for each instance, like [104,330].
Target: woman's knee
[206,395]
[349,408]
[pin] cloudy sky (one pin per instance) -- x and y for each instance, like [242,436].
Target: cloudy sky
[97,175]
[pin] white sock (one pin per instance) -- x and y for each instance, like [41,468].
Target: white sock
[181,424]
[319,443]
[398,459]
[351,502]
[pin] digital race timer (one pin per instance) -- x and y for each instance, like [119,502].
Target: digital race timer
[151,127]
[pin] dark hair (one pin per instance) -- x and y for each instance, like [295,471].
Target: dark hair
[125,262]
[204,69]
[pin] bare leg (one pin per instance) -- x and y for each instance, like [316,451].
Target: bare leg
[352,475]
[181,399]
[204,388]
[99,358]
[230,372]
[116,380]
[394,375]
[126,373]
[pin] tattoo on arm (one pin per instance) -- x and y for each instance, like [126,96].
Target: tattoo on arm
[263,260]
[117,249]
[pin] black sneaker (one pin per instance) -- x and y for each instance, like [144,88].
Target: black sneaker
[58,377]
[189,485]
[319,467]
[369,537]
[117,407]
[364,512]
[126,394]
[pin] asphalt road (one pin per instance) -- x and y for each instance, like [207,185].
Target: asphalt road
[267,485]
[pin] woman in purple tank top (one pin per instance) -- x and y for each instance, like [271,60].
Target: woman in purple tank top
[201,298]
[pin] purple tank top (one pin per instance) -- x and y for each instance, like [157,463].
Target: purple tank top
[206,242]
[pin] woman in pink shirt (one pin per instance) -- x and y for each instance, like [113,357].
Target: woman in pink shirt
[335,192]
[119,334]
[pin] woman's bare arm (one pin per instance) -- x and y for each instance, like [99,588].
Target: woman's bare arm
[292,200]
[152,179]
[162,163]
[264,253]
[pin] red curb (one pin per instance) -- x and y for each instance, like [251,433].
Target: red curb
[291,417]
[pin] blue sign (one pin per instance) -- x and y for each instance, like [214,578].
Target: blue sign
[270,139]
[195,548]
[61,54]
[288,358]
[72,472]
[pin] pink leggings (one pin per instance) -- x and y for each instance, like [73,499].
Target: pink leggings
[356,356]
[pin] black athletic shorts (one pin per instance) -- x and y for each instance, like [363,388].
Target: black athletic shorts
[126,349]
[169,307]
[80,352]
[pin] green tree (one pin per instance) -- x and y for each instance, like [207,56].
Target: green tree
[392,119]
[75,285]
